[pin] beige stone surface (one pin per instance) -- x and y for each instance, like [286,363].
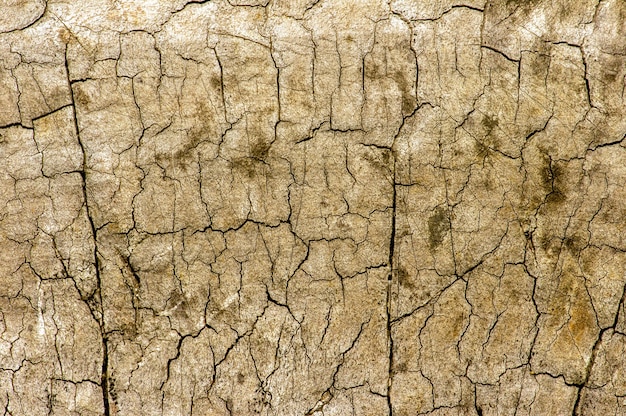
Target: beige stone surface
[312,207]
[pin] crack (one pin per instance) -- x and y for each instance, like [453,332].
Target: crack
[17,124]
[301,174]
[98,309]
[502,54]
[390,349]
[594,351]
[32,22]
[452,8]
[390,279]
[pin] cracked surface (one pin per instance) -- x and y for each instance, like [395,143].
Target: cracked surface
[312,207]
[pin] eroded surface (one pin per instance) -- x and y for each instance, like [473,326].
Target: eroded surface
[312,207]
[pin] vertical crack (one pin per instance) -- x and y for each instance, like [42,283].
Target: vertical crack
[392,241]
[97,309]
[594,351]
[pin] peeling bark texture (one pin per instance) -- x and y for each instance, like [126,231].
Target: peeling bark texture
[312,207]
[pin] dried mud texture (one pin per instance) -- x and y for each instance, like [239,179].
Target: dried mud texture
[297,207]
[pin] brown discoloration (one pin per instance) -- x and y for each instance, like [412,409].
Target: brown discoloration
[404,278]
[65,35]
[438,227]
[260,150]
[489,123]
[246,165]
[81,96]
[216,83]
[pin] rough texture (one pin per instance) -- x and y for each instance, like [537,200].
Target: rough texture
[296,207]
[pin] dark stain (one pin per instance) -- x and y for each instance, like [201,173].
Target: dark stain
[523,3]
[216,83]
[489,123]
[546,176]
[611,68]
[373,69]
[404,278]
[552,177]
[403,230]
[557,172]
[574,244]
[613,211]
[401,367]
[599,134]
[80,96]
[184,157]
[488,183]
[57,96]
[260,150]
[386,157]
[380,160]
[481,149]
[409,102]
[245,165]
[438,227]
[539,65]
[129,331]
[202,126]
[241,378]
[545,242]
[555,197]
[552,247]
